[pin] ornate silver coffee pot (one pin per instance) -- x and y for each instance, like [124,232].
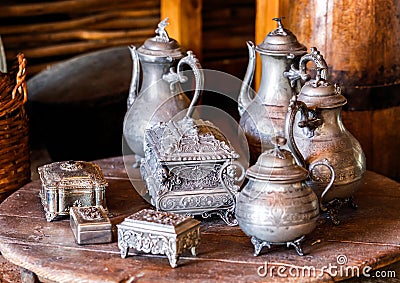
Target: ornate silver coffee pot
[263,115]
[318,133]
[276,206]
[161,96]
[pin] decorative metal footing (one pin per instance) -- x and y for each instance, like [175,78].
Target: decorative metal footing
[158,232]
[227,215]
[138,161]
[333,207]
[259,244]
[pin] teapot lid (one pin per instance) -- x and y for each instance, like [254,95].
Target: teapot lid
[281,41]
[277,165]
[319,93]
[161,45]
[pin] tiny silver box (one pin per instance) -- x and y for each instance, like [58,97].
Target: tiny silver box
[90,225]
[159,232]
[71,183]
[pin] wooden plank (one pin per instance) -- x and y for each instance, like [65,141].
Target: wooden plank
[185,23]
[78,34]
[69,28]
[83,21]
[78,47]
[69,6]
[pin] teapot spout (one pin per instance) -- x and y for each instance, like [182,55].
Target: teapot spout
[246,93]
[133,90]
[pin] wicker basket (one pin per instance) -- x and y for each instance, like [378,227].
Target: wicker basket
[14,143]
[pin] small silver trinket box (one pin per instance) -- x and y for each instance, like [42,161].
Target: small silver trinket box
[71,183]
[90,225]
[159,232]
[182,165]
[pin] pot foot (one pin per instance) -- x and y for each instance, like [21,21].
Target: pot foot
[259,244]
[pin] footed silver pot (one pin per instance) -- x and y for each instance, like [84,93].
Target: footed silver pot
[276,206]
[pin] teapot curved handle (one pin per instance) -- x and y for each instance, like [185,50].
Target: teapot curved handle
[228,178]
[309,121]
[134,87]
[323,162]
[194,64]
[294,107]
[315,56]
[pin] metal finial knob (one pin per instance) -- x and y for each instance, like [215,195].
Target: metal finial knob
[161,32]
[279,21]
[278,141]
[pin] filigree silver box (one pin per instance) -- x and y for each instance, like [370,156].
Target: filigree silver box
[158,232]
[182,165]
[71,183]
[90,225]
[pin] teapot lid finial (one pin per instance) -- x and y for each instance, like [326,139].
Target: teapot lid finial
[280,28]
[278,141]
[161,46]
[162,34]
[281,42]
[277,165]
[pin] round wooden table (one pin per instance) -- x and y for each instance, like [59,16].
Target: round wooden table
[367,239]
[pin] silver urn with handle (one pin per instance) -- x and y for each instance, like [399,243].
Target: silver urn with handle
[161,96]
[315,131]
[263,113]
[276,206]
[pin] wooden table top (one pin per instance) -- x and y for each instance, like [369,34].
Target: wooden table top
[367,238]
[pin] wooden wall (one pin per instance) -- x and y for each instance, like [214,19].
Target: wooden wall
[52,31]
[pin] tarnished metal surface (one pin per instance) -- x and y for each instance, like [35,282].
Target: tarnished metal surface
[319,134]
[263,115]
[276,206]
[71,183]
[159,232]
[90,225]
[181,168]
[161,96]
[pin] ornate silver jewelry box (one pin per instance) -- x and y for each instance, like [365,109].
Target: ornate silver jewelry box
[182,165]
[71,183]
[159,232]
[90,225]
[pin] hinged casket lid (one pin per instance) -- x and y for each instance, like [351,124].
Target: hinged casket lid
[71,174]
[160,221]
[90,218]
[188,140]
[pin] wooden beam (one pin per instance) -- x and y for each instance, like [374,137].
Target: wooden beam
[185,23]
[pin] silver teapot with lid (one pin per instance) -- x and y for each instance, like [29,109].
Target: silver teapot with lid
[318,133]
[276,206]
[161,96]
[263,114]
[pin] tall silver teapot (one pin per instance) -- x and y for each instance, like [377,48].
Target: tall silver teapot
[161,96]
[318,133]
[276,206]
[263,115]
